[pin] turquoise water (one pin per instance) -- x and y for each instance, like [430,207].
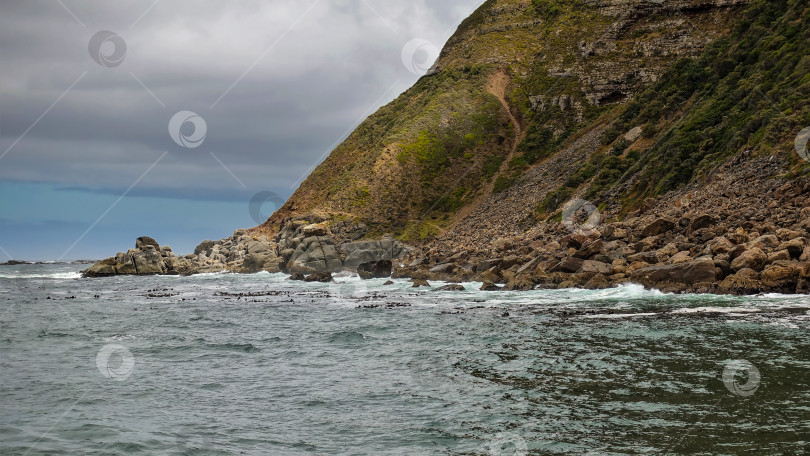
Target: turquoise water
[258,365]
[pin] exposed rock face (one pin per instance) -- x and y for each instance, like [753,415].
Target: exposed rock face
[325,252]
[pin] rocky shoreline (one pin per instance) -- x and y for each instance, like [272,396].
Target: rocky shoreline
[681,252]
[668,254]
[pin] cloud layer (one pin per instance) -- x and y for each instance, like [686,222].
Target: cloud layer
[278,84]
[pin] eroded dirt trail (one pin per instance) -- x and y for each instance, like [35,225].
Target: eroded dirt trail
[496,85]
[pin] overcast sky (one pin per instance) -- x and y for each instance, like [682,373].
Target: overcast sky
[89,89]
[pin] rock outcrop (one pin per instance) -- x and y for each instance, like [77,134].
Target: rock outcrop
[305,245]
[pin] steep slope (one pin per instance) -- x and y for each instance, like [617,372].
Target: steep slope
[517,82]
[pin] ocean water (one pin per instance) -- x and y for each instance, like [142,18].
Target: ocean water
[259,365]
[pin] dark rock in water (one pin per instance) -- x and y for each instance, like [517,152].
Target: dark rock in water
[324,277]
[14,263]
[297,276]
[420,283]
[489,286]
[388,282]
[143,241]
[375,269]
[451,287]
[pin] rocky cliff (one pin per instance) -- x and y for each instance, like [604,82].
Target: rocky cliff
[582,143]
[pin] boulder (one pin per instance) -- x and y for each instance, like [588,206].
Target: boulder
[521,283]
[148,261]
[203,247]
[744,282]
[375,269]
[103,268]
[446,268]
[794,247]
[502,244]
[688,273]
[489,286]
[568,264]
[597,282]
[451,287]
[680,257]
[702,221]
[754,259]
[297,276]
[768,241]
[651,257]
[596,267]
[589,249]
[420,283]
[659,226]
[782,276]
[781,255]
[490,275]
[143,241]
[323,277]
[313,255]
[255,262]
[721,245]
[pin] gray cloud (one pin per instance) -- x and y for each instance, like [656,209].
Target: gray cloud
[314,82]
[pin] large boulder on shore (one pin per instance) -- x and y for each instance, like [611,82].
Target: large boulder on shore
[313,255]
[375,269]
[256,262]
[688,273]
[103,268]
[754,259]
